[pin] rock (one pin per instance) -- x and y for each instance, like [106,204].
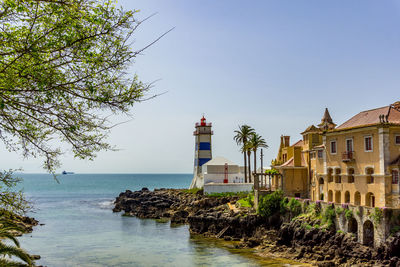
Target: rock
[179,217]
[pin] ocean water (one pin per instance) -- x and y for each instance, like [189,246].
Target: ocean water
[80,229]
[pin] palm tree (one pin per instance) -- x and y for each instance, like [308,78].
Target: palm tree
[255,142]
[248,150]
[7,228]
[241,138]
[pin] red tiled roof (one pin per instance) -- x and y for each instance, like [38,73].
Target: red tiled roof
[298,143]
[290,162]
[371,117]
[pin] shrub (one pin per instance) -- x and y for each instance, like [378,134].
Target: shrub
[328,216]
[395,229]
[339,210]
[294,206]
[247,202]
[377,215]
[348,214]
[270,204]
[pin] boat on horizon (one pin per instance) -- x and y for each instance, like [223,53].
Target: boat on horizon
[65,172]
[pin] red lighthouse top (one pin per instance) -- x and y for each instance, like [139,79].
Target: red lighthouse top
[203,121]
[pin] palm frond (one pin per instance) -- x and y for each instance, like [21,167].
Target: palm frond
[10,263]
[16,252]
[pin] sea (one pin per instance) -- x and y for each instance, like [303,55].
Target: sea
[78,228]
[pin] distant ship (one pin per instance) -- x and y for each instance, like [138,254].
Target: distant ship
[65,172]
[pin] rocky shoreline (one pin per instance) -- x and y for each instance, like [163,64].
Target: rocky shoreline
[275,236]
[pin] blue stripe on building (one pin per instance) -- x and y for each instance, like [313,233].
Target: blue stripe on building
[205,146]
[203,161]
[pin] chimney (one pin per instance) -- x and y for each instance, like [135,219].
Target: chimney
[287,141]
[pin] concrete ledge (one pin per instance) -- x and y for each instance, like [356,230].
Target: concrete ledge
[229,187]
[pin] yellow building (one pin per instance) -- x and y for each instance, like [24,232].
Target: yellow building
[357,162]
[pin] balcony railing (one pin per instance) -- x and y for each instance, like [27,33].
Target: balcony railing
[203,132]
[205,124]
[348,156]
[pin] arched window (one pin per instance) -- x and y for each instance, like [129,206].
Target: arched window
[347,197]
[330,196]
[370,199]
[370,177]
[338,197]
[357,198]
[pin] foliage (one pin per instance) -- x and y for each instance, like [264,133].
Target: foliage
[348,214]
[328,216]
[339,210]
[247,202]
[63,73]
[339,232]
[395,229]
[256,141]
[306,226]
[241,138]
[270,204]
[377,216]
[294,207]
[11,200]
[7,227]
[314,209]
[193,191]
[272,171]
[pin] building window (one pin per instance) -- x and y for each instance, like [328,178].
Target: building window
[368,143]
[395,177]
[349,145]
[333,147]
[370,177]
[320,154]
[397,139]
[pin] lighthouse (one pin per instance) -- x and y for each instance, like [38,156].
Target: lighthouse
[203,151]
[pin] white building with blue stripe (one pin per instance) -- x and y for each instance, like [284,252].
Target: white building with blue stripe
[214,175]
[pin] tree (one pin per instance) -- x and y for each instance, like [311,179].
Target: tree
[255,142]
[63,73]
[248,150]
[7,228]
[241,138]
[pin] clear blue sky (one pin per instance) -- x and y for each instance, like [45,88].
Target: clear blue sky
[274,65]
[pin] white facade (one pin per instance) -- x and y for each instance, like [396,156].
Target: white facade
[223,188]
[216,171]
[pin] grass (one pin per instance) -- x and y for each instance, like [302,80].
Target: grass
[247,202]
[192,191]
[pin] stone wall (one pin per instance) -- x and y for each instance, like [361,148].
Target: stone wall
[371,226]
[366,223]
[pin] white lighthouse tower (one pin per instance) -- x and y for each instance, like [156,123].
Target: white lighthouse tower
[203,152]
